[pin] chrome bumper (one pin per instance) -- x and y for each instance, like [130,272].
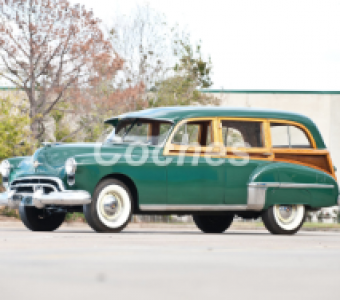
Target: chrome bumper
[40,200]
[339,200]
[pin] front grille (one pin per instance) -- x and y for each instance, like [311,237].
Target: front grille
[29,185]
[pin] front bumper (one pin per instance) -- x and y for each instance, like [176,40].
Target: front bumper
[40,200]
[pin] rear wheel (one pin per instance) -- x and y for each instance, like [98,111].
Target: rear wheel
[40,219]
[213,224]
[111,207]
[284,219]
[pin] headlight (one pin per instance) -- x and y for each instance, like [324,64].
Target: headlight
[5,168]
[70,166]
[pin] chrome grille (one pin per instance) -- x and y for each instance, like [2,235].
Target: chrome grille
[28,185]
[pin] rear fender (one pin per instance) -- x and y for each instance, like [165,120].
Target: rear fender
[285,183]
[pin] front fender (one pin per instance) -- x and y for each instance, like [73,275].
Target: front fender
[148,178]
[286,183]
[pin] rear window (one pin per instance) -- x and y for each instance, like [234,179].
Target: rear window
[288,136]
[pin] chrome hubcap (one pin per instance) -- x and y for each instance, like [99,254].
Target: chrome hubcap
[286,213]
[111,206]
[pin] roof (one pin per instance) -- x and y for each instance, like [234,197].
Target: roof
[176,114]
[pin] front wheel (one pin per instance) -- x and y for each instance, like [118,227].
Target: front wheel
[111,207]
[284,219]
[213,224]
[40,219]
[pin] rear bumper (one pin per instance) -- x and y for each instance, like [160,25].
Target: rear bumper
[40,200]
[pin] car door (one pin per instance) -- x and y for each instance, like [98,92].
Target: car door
[246,147]
[191,177]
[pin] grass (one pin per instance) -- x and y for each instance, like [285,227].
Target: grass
[75,217]
[321,225]
[8,212]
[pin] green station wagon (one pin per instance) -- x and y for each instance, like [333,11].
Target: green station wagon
[212,163]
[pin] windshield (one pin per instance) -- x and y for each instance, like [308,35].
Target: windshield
[140,131]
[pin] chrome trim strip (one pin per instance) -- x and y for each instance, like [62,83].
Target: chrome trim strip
[56,179]
[306,186]
[166,207]
[35,185]
[291,185]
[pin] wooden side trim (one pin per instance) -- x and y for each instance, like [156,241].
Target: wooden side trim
[299,151]
[303,164]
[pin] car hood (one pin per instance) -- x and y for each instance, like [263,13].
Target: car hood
[50,160]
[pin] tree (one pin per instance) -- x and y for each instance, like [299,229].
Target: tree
[163,58]
[178,90]
[53,51]
[193,65]
[144,40]
[192,72]
[14,130]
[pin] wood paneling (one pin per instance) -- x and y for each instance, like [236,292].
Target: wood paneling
[319,161]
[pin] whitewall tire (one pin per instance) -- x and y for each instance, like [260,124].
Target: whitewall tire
[111,207]
[284,219]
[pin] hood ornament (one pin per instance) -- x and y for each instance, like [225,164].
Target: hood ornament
[36,164]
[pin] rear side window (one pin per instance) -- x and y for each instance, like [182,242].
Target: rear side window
[288,136]
[242,134]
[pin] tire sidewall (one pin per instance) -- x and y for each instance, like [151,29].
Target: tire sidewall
[30,217]
[93,216]
[271,222]
[203,222]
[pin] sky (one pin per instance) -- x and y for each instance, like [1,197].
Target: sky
[262,44]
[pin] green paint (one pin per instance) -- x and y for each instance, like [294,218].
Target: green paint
[195,183]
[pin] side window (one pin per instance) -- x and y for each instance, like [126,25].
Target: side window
[163,131]
[288,136]
[198,133]
[243,134]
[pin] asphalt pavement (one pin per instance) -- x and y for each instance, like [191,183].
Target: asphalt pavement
[173,263]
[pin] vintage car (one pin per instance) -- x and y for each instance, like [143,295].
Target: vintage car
[213,163]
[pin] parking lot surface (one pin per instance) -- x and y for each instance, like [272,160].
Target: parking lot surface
[172,263]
